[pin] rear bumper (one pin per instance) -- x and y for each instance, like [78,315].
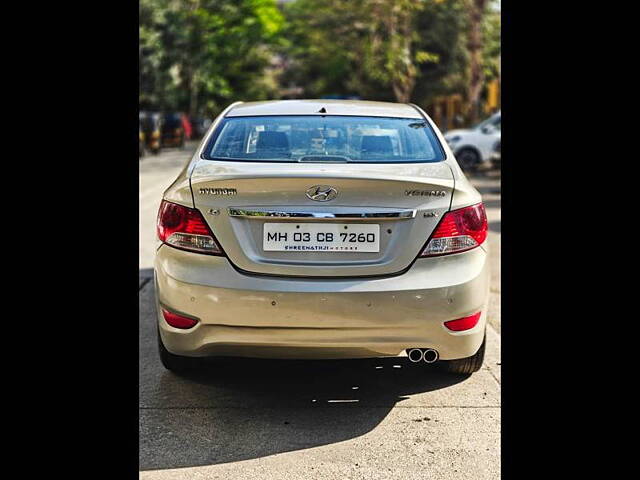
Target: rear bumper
[257,316]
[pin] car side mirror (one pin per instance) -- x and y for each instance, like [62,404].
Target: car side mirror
[487,129]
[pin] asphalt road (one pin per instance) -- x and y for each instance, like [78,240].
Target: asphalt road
[356,419]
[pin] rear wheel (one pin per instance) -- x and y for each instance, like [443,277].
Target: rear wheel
[468,159]
[464,366]
[176,363]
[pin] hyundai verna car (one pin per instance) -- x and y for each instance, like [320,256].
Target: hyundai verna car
[322,229]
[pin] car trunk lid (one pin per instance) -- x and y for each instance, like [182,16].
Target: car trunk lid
[248,203]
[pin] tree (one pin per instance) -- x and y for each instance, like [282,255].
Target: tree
[476,10]
[197,55]
[441,30]
[371,47]
[390,56]
[320,50]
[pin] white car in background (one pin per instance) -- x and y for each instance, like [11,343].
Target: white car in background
[473,147]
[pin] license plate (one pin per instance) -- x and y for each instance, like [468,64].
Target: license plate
[321,237]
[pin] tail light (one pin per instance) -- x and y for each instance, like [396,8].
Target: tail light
[464,323]
[459,230]
[184,228]
[178,321]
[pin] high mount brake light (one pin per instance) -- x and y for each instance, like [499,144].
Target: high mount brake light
[458,231]
[184,228]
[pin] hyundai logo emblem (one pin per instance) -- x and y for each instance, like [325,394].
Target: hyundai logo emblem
[322,193]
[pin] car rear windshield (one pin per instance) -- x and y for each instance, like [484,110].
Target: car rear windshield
[306,138]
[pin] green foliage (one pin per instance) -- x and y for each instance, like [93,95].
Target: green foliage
[407,50]
[442,32]
[492,48]
[320,34]
[200,55]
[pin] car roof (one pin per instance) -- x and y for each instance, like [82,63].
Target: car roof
[331,107]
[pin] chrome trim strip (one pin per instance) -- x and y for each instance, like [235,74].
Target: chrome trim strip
[397,215]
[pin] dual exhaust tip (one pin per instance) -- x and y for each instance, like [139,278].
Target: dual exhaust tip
[428,355]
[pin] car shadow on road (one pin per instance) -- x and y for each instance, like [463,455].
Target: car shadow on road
[240,409]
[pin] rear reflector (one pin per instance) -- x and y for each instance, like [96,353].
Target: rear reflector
[178,321]
[464,323]
[459,230]
[184,228]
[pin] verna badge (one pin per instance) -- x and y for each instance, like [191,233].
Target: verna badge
[322,193]
[425,193]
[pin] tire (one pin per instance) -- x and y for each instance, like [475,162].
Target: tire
[468,159]
[176,363]
[465,366]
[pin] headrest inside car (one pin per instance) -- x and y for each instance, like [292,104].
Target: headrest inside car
[376,145]
[272,141]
